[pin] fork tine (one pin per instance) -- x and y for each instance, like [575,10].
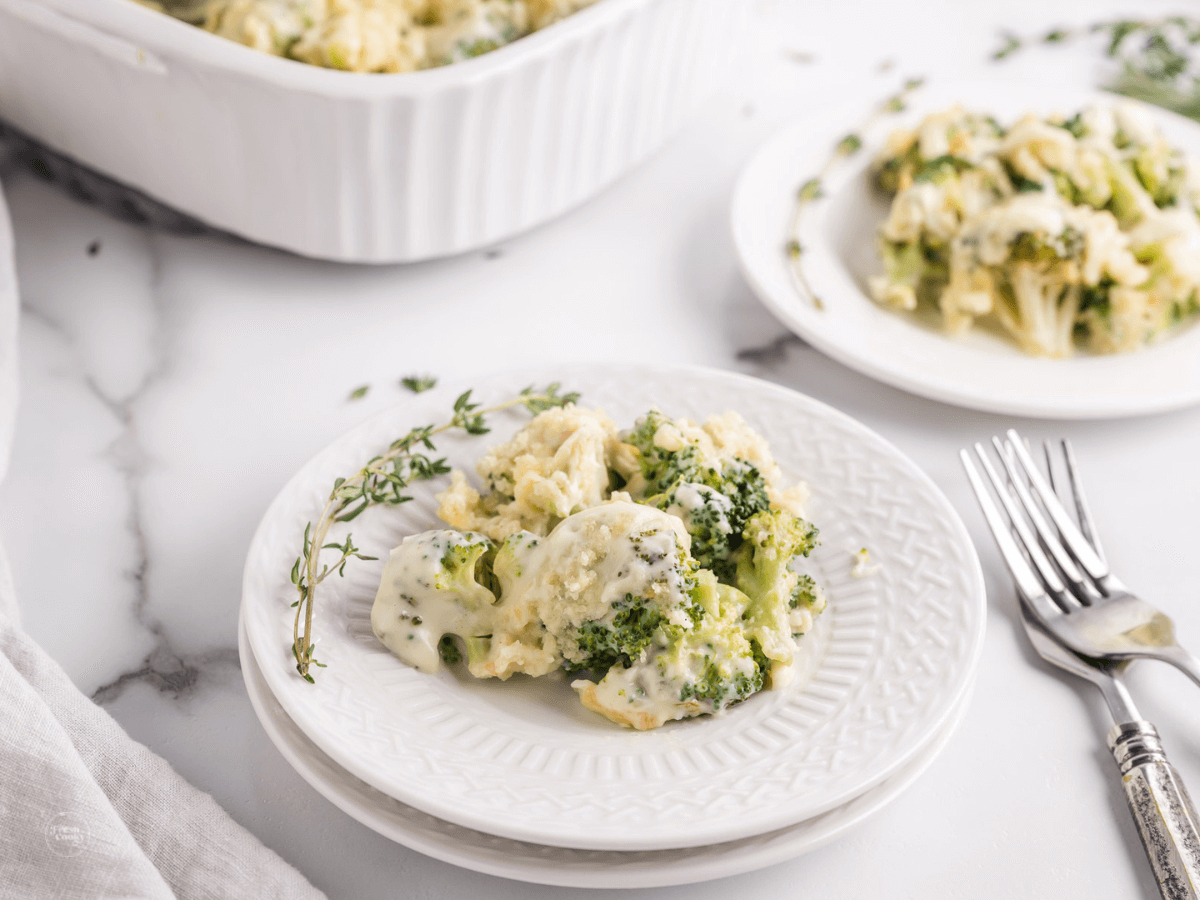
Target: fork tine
[1026,540]
[1076,543]
[1028,583]
[1083,510]
[1075,580]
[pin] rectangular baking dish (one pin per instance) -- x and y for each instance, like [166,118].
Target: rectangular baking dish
[361,167]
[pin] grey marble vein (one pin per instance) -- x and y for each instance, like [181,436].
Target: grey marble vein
[164,668]
[772,353]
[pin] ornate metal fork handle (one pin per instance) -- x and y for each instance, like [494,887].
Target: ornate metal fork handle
[1158,800]
[1161,807]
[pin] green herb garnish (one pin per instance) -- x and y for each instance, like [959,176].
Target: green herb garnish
[382,482]
[419,383]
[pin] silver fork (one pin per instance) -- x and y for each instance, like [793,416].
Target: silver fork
[1069,585]
[1158,800]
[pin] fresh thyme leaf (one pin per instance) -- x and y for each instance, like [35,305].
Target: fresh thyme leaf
[1118,31]
[1057,36]
[381,482]
[359,392]
[850,144]
[811,189]
[539,401]
[419,383]
[1010,46]
[794,249]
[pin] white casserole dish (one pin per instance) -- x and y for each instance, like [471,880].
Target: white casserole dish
[354,167]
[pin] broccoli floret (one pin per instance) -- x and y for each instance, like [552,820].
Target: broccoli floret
[897,171]
[698,671]
[804,593]
[431,572]
[1160,174]
[663,462]
[715,511]
[1075,125]
[941,169]
[466,564]
[635,626]
[720,689]
[715,665]
[604,643]
[714,500]
[773,539]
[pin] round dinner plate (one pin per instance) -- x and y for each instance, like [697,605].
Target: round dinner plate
[887,663]
[561,866]
[837,234]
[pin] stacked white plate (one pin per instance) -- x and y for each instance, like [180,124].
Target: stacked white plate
[517,779]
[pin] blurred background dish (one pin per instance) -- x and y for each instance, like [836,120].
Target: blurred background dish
[361,167]
[837,233]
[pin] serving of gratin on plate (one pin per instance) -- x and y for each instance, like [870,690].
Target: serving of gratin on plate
[712,607]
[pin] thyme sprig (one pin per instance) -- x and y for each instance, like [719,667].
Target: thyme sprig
[1159,58]
[383,481]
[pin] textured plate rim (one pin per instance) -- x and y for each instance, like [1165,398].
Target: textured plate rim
[542,864]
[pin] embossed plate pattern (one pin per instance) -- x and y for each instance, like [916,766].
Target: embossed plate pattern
[560,865]
[978,369]
[888,661]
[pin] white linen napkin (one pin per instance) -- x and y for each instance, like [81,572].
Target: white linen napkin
[85,811]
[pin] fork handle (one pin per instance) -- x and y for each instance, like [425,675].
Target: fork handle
[1161,807]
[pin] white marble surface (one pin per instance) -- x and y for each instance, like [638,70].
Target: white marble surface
[171,385]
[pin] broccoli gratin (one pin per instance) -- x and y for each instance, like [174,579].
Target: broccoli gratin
[1063,232]
[661,567]
[372,35]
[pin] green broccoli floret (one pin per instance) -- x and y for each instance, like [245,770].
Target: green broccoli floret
[634,626]
[700,671]
[720,690]
[804,593]
[773,539]
[1160,174]
[660,467]
[622,639]
[436,570]
[715,501]
[715,664]
[466,563]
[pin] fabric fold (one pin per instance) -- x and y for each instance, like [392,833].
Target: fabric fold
[86,812]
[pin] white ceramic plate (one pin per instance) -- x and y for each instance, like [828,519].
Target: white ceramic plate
[561,866]
[889,661]
[976,370]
